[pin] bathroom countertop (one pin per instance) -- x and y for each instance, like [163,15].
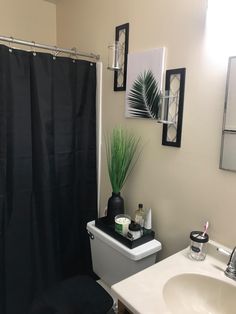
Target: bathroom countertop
[143,292]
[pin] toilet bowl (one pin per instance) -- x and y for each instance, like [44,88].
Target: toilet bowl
[112,261]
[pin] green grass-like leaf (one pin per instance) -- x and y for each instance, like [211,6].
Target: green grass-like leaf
[121,152]
[144,96]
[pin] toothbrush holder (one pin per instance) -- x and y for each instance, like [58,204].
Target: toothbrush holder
[198,245]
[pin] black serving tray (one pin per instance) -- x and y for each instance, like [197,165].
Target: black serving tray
[102,224]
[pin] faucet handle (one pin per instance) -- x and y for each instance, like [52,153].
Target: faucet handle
[223,251]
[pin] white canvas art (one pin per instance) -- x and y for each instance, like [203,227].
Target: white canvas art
[144,74]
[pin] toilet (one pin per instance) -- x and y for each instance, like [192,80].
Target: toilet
[113,261]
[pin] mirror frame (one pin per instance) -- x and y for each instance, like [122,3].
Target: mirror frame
[224,130]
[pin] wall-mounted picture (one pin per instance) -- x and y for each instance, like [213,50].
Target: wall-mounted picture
[144,83]
[175,84]
[122,36]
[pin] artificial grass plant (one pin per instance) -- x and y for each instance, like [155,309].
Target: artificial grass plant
[122,154]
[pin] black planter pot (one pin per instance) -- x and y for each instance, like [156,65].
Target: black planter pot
[115,206]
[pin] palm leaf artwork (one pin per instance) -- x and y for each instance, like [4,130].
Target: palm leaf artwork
[121,152]
[144,96]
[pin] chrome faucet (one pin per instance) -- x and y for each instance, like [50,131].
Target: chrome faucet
[231,266]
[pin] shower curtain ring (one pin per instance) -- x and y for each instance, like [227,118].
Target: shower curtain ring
[10,44]
[73,55]
[34,51]
[56,52]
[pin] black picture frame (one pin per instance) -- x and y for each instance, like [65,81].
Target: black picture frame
[181,72]
[119,29]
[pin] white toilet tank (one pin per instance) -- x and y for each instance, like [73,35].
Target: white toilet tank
[113,261]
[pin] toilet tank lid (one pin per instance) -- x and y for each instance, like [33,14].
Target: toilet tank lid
[135,254]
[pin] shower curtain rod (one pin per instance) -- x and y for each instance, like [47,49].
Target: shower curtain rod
[72,51]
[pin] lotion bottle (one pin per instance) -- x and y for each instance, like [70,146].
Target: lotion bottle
[148,222]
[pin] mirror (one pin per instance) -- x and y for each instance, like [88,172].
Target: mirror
[228,141]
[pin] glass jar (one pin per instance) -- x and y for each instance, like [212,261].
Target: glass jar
[122,224]
[198,245]
[134,232]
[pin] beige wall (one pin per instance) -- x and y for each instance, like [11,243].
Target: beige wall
[33,20]
[184,186]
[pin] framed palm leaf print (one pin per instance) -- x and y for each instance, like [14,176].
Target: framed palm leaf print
[144,83]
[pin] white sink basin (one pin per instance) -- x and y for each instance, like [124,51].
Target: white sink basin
[180,285]
[194,293]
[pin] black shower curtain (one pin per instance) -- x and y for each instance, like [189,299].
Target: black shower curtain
[48,184]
